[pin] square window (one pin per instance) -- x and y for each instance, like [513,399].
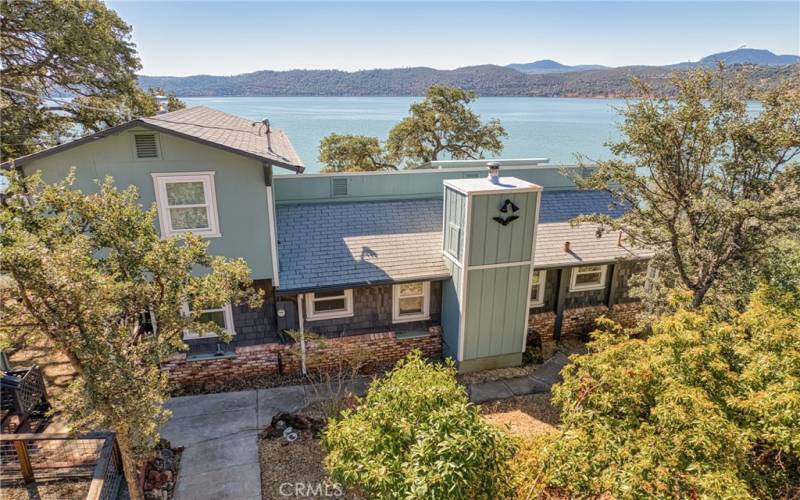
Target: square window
[411,301]
[222,316]
[537,288]
[329,305]
[588,278]
[187,202]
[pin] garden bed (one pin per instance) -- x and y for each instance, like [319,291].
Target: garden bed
[296,468]
[62,489]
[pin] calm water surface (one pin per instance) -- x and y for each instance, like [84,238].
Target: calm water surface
[537,127]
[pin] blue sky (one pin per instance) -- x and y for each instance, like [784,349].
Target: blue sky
[222,38]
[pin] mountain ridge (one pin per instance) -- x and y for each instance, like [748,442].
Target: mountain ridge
[486,79]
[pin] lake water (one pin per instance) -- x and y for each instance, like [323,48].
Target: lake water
[554,128]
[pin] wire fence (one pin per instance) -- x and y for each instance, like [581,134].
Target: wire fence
[48,457]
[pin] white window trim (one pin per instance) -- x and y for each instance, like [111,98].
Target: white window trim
[311,315]
[227,313]
[573,287]
[651,274]
[542,277]
[405,318]
[160,181]
[158,146]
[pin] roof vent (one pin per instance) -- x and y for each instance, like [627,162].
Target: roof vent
[146,146]
[339,186]
[494,172]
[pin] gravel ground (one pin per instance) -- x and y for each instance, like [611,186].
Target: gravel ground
[523,415]
[497,374]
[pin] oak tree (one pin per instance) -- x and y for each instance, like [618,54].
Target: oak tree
[352,153]
[709,182]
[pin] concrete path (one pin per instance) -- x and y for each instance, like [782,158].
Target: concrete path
[219,432]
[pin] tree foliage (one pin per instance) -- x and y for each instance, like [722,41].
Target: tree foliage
[443,124]
[702,408]
[440,126]
[83,272]
[416,435]
[709,183]
[352,153]
[55,48]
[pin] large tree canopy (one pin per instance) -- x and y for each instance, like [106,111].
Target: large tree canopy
[50,49]
[88,273]
[352,153]
[710,183]
[438,127]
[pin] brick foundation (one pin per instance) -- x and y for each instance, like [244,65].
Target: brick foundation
[541,328]
[271,359]
[577,322]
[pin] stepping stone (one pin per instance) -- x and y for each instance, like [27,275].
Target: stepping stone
[489,391]
[521,386]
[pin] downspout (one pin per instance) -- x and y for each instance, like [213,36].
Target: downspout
[302,333]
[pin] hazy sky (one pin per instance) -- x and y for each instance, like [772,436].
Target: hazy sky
[222,38]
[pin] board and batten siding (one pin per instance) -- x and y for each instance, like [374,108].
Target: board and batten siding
[492,243]
[239,184]
[451,310]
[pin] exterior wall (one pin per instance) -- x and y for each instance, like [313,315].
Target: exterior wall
[372,311]
[492,243]
[252,326]
[581,309]
[454,213]
[273,359]
[239,183]
[404,184]
[451,311]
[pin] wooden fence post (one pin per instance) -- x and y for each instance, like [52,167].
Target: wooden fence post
[24,460]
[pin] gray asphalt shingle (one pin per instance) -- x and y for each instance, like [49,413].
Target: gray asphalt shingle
[343,244]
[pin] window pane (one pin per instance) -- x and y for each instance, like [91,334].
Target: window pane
[588,269]
[588,279]
[329,305]
[536,276]
[411,289]
[324,295]
[217,317]
[535,293]
[411,305]
[189,218]
[185,193]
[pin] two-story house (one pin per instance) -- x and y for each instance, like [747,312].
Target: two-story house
[445,258]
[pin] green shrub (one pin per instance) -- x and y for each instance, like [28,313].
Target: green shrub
[416,435]
[704,408]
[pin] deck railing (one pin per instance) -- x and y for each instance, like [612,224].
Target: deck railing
[47,456]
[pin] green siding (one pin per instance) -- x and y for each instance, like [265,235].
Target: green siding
[451,311]
[239,183]
[454,207]
[493,243]
[495,314]
[409,184]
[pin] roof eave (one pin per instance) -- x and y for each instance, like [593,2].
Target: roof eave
[355,284]
[139,123]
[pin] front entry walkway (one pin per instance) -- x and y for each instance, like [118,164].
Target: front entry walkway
[219,432]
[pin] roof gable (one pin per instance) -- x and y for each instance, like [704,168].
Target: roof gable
[206,126]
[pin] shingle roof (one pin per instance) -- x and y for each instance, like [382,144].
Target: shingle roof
[206,126]
[216,127]
[343,244]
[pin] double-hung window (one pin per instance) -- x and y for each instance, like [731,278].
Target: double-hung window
[588,278]
[187,202]
[222,316]
[329,305]
[411,301]
[537,289]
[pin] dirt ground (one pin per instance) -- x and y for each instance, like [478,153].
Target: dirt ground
[53,490]
[523,415]
[58,373]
